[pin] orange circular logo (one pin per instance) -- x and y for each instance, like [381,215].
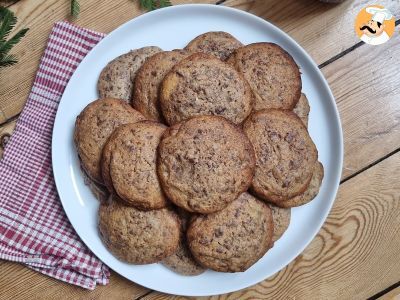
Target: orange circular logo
[374,25]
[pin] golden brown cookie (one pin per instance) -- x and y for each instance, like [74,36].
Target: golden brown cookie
[218,43]
[132,164]
[182,261]
[204,85]
[148,81]
[204,163]
[138,237]
[281,217]
[98,190]
[273,75]
[302,109]
[233,239]
[106,159]
[116,79]
[285,154]
[94,125]
[310,192]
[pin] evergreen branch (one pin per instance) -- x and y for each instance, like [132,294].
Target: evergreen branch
[154,4]
[5,47]
[7,61]
[75,8]
[8,21]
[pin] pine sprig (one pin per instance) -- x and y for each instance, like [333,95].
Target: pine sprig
[75,8]
[145,4]
[8,60]
[6,46]
[7,23]
[154,4]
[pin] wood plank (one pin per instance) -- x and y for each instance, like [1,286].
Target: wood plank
[367,95]
[392,295]
[362,120]
[39,16]
[7,3]
[354,254]
[20,282]
[370,110]
[323,29]
[363,126]
[290,15]
[367,98]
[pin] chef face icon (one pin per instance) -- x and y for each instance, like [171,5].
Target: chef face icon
[373,28]
[375,25]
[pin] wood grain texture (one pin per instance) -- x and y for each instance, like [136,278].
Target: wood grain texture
[323,29]
[19,282]
[367,97]
[354,256]
[366,85]
[392,295]
[39,16]
[361,236]
[7,3]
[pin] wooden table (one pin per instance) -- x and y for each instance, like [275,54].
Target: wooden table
[356,253]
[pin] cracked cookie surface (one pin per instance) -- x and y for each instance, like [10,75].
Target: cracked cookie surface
[218,43]
[148,81]
[138,237]
[132,164]
[94,125]
[204,163]
[285,154]
[233,239]
[272,74]
[204,85]
[116,79]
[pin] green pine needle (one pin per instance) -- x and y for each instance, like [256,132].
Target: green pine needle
[75,8]
[154,4]
[145,4]
[5,47]
[7,23]
[8,60]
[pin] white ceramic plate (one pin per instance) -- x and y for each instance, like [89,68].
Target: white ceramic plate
[172,28]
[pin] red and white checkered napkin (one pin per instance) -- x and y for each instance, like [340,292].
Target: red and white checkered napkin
[34,229]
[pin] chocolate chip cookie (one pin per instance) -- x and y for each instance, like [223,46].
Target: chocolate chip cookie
[218,43]
[302,109]
[311,191]
[148,81]
[138,237]
[233,239]
[204,85]
[281,217]
[182,261]
[285,154]
[204,163]
[94,125]
[132,164]
[116,79]
[273,75]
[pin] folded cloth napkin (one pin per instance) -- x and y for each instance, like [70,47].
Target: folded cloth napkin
[34,229]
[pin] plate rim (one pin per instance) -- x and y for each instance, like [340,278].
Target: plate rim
[335,184]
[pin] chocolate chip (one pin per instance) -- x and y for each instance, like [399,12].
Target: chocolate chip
[218,232]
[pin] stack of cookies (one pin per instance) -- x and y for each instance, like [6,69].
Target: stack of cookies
[202,151]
